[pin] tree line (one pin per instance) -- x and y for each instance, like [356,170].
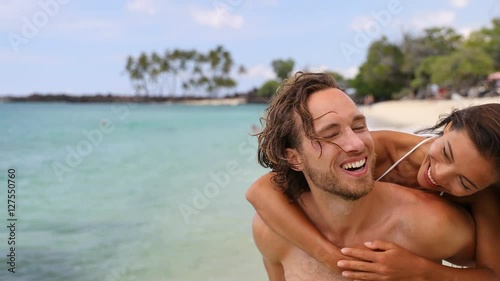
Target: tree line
[186,70]
[438,56]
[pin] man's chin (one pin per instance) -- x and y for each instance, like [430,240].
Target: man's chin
[350,195]
[355,196]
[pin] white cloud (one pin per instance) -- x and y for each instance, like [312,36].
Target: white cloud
[316,68]
[88,24]
[361,23]
[494,10]
[466,31]
[349,73]
[260,71]
[14,13]
[459,3]
[438,18]
[11,57]
[14,9]
[374,24]
[89,28]
[272,3]
[218,17]
[141,6]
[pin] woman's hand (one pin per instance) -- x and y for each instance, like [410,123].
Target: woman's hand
[382,261]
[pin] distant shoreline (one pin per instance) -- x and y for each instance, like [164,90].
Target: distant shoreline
[251,96]
[231,100]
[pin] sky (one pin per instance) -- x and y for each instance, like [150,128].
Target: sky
[80,47]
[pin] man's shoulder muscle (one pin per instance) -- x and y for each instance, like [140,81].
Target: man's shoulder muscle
[272,246]
[439,228]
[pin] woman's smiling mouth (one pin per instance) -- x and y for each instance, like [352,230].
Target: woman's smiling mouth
[430,179]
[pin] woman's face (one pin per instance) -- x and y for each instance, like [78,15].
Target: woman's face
[454,165]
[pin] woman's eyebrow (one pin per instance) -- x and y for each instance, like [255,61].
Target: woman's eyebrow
[451,151]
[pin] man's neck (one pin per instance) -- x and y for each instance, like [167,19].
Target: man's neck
[337,218]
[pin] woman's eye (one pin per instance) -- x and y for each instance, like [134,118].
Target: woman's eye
[463,184]
[445,155]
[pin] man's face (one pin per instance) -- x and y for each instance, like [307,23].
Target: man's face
[341,164]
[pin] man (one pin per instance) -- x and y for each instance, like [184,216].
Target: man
[318,144]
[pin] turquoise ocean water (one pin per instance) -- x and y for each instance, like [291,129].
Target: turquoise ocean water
[129,192]
[122,192]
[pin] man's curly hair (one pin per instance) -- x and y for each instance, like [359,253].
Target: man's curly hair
[281,131]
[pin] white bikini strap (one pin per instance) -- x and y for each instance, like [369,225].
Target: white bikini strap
[406,155]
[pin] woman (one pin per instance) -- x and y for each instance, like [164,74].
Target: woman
[463,159]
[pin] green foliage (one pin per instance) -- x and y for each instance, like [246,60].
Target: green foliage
[423,73]
[405,92]
[488,40]
[439,55]
[220,64]
[268,89]
[209,72]
[434,42]
[141,73]
[283,68]
[380,75]
[441,41]
[339,78]
[461,69]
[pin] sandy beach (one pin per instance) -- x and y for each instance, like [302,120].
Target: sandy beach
[411,115]
[225,101]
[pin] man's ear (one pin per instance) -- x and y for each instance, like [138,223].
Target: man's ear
[294,158]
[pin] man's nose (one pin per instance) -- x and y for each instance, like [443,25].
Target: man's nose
[350,142]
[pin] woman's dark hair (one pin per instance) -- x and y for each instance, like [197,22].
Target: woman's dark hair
[482,124]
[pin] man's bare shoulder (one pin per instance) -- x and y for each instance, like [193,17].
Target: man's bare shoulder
[272,246]
[429,207]
[430,222]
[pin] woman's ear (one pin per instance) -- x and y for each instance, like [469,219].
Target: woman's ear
[447,128]
[294,159]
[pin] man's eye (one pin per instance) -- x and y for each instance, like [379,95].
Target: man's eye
[359,128]
[331,136]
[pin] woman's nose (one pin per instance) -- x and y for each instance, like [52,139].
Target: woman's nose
[442,172]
